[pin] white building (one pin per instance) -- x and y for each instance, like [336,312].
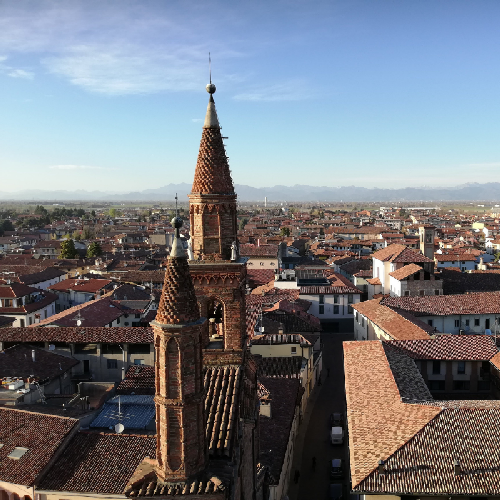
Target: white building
[24,304]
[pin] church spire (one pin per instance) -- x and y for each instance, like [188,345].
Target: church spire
[181,450]
[212,175]
[178,300]
[212,202]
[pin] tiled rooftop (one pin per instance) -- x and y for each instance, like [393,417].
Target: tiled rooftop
[450,347]
[379,423]
[405,271]
[98,463]
[392,323]
[445,305]
[384,389]
[80,334]
[41,434]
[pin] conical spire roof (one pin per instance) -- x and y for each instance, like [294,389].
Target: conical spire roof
[212,175]
[178,304]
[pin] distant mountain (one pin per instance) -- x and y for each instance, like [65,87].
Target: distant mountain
[467,192]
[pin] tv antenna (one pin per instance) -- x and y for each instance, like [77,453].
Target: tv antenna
[210,68]
[78,318]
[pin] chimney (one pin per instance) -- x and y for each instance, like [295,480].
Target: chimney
[381,469]
[33,355]
[456,466]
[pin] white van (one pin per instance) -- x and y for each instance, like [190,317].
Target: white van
[337,435]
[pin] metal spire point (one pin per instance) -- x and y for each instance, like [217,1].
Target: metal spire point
[177,248]
[210,87]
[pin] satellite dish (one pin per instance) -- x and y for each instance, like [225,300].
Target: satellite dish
[78,322]
[119,428]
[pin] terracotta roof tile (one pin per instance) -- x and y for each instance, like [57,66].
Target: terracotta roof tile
[98,463]
[379,423]
[41,434]
[445,305]
[450,347]
[405,271]
[392,323]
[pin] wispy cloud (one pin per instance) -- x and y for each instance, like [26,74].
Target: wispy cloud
[76,167]
[294,90]
[21,73]
[197,120]
[9,70]
[131,50]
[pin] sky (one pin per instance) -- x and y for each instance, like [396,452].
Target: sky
[110,95]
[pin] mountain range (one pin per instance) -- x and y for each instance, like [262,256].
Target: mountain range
[466,192]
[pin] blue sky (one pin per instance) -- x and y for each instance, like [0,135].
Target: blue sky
[109,95]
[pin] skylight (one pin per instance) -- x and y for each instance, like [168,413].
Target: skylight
[17,452]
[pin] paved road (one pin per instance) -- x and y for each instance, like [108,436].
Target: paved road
[326,399]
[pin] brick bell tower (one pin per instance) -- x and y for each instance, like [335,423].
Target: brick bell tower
[219,273]
[212,202]
[181,445]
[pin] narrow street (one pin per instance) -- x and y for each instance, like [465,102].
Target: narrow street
[313,438]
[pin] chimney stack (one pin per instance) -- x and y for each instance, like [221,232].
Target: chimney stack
[457,467]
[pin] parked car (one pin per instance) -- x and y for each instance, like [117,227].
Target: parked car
[337,435]
[335,491]
[337,469]
[336,420]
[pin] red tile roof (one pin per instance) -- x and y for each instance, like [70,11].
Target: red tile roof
[405,271]
[98,463]
[450,347]
[275,431]
[41,434]
[445,305]
[94,313]
[392,323]
[399,253]
[79,285]
[379,422]
[17,362]
[80,334]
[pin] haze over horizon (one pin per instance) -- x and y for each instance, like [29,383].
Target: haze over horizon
[371,94]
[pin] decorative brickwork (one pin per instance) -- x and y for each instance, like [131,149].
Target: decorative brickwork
[181,445]
[223,282]
[178,301]
[212,202]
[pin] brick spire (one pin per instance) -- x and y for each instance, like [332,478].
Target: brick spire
[178,302]
[212,202]
[212,175]
[181,450]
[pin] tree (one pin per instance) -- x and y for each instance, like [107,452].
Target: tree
[497,256]
[285,231]
[41,210]
[68,250]
[94,250]
[92,213]
[113,212]
[242,224]
[6,225]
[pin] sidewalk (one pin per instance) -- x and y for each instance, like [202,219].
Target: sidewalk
[293,489]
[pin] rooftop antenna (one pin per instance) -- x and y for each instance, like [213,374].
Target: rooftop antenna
[78,318]
[176,207]
[210,67]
